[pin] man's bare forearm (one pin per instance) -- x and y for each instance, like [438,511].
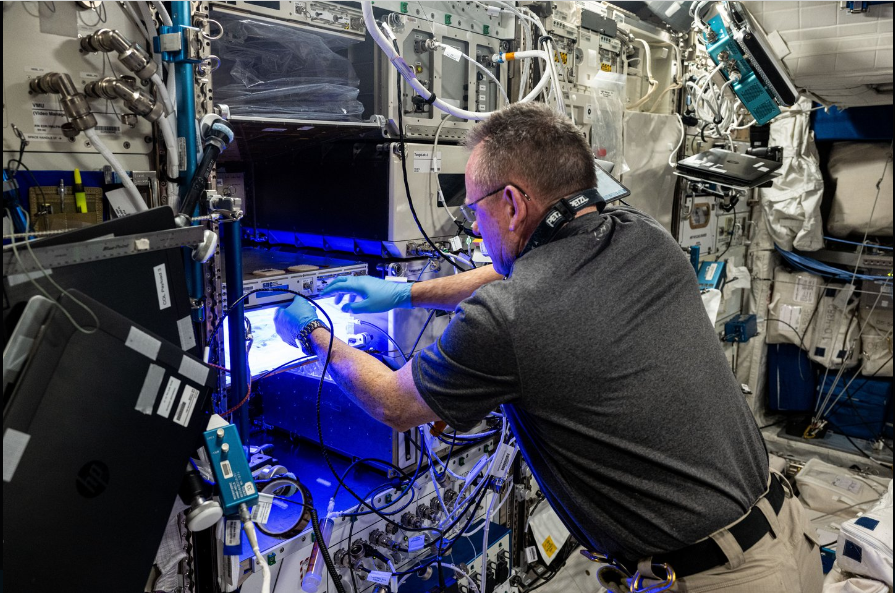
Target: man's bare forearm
[388,396]
[446,293]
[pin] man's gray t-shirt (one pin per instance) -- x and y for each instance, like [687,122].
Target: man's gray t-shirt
[615,385]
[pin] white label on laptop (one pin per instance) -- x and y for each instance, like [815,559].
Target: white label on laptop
[161,286]
[14,443]
[187,337]
[194,370]
[143,343]
[168,397]
[261,511]
[14,279]
[226,470]
[120,202]
[380,577]
[531,554]
[187,403]
[231,537]
[151,385]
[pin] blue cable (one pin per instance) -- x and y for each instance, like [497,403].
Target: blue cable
[856,243]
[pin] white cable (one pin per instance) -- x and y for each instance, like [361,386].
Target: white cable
[163,93]
[46,275]
[653,83]
[135,19]
[163,14]
[681,141]
[407,72]
[173,160]
[136,199]
[252,536]
[146,13]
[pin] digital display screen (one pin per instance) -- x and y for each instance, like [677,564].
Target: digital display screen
[610,189]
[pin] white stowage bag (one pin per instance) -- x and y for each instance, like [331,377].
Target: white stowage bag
[865,543]
[792,204]
[830,489]
[836,331]
[837,582]
[855,168]
[795,297]
[876,342]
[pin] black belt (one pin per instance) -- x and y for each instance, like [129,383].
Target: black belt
[706,554]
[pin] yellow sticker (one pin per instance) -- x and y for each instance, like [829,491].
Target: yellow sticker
[549,547]
[606,67]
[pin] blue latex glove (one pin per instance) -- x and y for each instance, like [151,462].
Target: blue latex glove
[377,295]
[289,321]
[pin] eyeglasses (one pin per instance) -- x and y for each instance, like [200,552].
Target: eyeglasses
[469,213]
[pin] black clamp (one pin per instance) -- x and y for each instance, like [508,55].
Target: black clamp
[430,100]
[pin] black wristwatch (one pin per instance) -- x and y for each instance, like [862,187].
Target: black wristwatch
[304,336]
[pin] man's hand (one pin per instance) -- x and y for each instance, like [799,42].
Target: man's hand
[377,295]
[289,321]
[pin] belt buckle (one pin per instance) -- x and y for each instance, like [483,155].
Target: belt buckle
[637,585]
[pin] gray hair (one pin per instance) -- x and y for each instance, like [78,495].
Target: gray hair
[530,144]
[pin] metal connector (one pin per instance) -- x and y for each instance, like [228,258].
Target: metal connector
[74,103]
[135,58]
[124,88]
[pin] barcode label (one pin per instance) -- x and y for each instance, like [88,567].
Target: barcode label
[249,488]
[416,543]
[232,533]
[107,130]
[531,554]
[226,470]
[185,408]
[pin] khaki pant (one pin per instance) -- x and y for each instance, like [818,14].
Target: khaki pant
[785,560]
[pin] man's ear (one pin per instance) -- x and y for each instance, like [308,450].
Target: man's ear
[520,207]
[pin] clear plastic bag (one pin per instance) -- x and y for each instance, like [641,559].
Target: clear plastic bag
[274,70]
[608,92]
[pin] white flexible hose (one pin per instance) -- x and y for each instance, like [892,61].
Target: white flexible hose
[173,160]
[163,93]
[407,72]
[679,142]
[653,83]
[163,14]
[134,194]
[252,536]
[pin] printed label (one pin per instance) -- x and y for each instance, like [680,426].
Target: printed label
[89,76]
[249,488]
[120,202]
[194,370]
[34,70]
[416,543]
[226,470]
[231,537]
[168,397]
[185,329]
[452,53]
[107,125]
[844,483]
[187,403]
[792,315]
[261,511]
[531,554]
[423,161]
[45,138]
[549,547]
[710,271]
[161,286]
[380,577]
[805,290]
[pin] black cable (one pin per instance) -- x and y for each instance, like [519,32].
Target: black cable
[416,219]
[388,336]
[422,331]
[856,446]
